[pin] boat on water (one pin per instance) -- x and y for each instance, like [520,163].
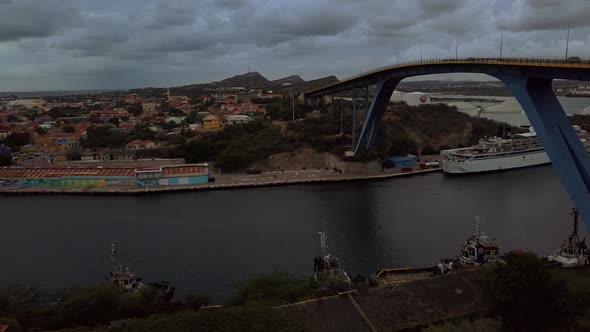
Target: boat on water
[479,248]
[327,266]
[500,153]
[573,251]
[496,154]
[127,280]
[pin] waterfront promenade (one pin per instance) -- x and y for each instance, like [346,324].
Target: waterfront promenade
[226,181]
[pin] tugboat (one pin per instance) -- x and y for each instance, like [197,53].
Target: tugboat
[127,280]
[478,249]
[326,266]
[573,252]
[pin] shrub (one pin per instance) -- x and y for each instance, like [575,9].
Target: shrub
[197,301]
[427,150]
[13,325]
[272,289]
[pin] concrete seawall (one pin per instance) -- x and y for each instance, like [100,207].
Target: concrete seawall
[207,186]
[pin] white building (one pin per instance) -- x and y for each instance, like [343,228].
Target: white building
[411,98]
[175,119]
[28,103]
[237,119]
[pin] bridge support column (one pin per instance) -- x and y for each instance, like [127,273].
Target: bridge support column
[561,142]
[332,106]
[375,113]
[354,96]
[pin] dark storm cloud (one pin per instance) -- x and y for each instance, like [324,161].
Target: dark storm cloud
[172,13]
[155,42]
[532,15]
[29,18]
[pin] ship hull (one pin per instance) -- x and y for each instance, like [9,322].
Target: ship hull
[495,164]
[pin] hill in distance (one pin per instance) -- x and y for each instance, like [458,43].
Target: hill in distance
[293,79]
[248,80]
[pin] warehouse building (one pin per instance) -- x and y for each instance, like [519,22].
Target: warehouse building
[102,177]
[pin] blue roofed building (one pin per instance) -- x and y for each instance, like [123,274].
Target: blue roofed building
[402,161]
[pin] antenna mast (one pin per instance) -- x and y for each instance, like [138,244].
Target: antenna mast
[323,243]
[477,226]
[567,41]
[575,213]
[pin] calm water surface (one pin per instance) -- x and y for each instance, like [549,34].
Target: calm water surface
[211,241]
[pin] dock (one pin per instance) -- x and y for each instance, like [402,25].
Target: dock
[243,183]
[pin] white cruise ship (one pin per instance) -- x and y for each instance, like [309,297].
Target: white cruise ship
[495,154]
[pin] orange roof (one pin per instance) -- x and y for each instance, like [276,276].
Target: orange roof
[183,170]
[20,173]
[139,142]
[13,173]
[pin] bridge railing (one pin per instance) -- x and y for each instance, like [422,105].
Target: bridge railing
[513,61]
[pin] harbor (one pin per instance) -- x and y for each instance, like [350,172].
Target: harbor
[213,241]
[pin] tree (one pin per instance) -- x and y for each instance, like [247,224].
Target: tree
[13,325]
[197,301]
[68,129]
[74,154]
[15,140]
[427,150]
[101,137]
[41,131]
[135,109]
[175,112]
[115,121]
[520,290]
[5,160]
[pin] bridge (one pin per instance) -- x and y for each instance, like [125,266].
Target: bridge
[529,80]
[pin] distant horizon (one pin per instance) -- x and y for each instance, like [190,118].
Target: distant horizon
[484,78]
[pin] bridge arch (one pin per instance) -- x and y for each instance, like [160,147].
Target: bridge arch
[529,80]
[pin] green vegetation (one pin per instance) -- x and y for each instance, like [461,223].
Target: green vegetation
[197,301]
[273,289]
[478,325]
[237,146]
[16,140]
[78,306]
[5,160]
[68,129]
[63,112]
[104,137]
[13,325]
[227,319]
[249,309]
[527,293]
[41,131]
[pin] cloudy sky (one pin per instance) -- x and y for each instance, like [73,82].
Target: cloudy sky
[87,44]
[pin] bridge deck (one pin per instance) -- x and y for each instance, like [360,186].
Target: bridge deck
[512,62]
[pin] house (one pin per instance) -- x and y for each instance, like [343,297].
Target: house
[150,107]
[126,127]
[44,119]
[175,119]
[108,114]
[65,141]
[141,145]
[211,122]
[271,95]
[238,119]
